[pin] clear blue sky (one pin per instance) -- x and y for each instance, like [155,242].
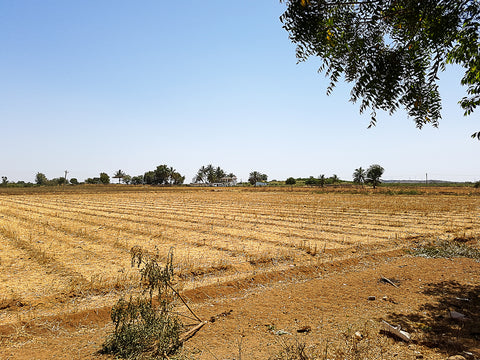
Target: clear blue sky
[91,86]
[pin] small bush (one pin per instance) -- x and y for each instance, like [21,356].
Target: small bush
[290,181]
[145,328]
[141,329]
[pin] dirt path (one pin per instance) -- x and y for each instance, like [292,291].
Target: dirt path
[331,302]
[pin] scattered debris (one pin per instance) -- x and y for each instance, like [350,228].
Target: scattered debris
[457,316]
[282,332]
[462,299]
[223,314]
[304,329]
[388,281]
[468,355]
[358,336]
[386,298]
[395,330]
[371,298]
[190,333]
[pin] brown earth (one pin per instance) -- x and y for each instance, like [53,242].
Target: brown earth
[257,316]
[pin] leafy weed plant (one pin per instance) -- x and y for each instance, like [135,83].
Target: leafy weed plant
[146,327]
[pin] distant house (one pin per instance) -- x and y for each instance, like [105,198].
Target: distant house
[260,183]
[224,181]
[228,181]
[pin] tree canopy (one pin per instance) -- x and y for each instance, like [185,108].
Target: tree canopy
[41,179]
[162,175]
[257,177]
[119,175]
[359,176]
[211,174]
[391,50]
[373,175]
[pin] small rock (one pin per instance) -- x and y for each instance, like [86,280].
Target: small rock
[358,336]
[371,298]
[456,357]
[457,316]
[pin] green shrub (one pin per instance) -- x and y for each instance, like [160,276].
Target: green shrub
[145,328]
[290,181]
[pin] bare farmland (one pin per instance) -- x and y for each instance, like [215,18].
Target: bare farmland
[55,247]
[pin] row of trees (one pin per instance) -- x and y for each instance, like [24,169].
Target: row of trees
[162,175]
[360,176]
[316,181]
[165,175]
[211,174]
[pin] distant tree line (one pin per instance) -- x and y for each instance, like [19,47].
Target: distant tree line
[207,175]
[360,176]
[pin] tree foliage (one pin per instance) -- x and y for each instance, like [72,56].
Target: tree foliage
[41,179]
[290,181]
[119,175]
[256,177]
[137,180]
[311,181]
[373,175]
[104,178]
[145,328]
[162,175]
[391,50]
[321,180]
[210,174]
[359,176]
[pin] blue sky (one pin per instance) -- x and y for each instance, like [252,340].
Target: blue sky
[94,86]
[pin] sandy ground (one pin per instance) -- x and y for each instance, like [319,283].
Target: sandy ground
[333,303]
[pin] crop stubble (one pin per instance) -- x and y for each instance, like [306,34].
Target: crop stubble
[76,244]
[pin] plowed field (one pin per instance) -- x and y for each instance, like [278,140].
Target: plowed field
[68,252]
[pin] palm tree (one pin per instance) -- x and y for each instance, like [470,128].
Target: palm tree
[119,175]
[359,176]
[210,173]
[321,180]
[201,175]
[374,173]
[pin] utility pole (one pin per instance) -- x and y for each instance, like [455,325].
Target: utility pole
[426,179]
[66,172]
